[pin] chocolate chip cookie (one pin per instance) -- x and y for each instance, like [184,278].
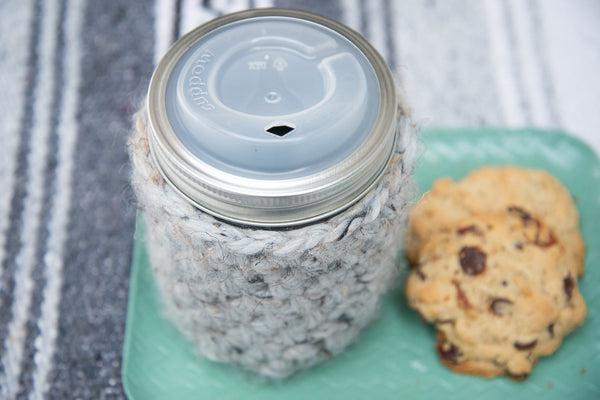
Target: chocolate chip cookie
[498,278]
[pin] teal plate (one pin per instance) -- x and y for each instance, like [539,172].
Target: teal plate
[395,357]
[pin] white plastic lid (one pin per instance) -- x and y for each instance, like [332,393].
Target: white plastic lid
[272,117]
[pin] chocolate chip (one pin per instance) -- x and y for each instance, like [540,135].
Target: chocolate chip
[517,377]
[448,351]
[461,297]
[519,246]
[524,215]
[551,241]
[499,306]
[472,229]
[527,219]
[420,273]
[472,260]
[551,330]
[525,346]
[568,286]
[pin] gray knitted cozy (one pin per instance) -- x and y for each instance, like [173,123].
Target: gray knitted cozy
[272,301]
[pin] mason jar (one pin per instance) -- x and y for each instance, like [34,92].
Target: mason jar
[273,169]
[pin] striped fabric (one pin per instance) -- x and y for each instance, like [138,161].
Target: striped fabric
[72,72]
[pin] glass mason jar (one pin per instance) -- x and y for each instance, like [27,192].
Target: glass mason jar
[273,167]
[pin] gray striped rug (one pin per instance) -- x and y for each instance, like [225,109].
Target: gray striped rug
[73,71]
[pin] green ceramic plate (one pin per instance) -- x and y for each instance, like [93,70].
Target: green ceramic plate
[395,357]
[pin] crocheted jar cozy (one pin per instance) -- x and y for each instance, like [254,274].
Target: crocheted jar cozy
[273,301]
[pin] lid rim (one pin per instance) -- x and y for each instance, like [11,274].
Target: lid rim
[277,217]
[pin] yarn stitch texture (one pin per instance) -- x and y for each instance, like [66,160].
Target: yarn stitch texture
[273,301]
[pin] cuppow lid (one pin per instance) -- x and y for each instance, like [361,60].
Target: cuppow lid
[272,117]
